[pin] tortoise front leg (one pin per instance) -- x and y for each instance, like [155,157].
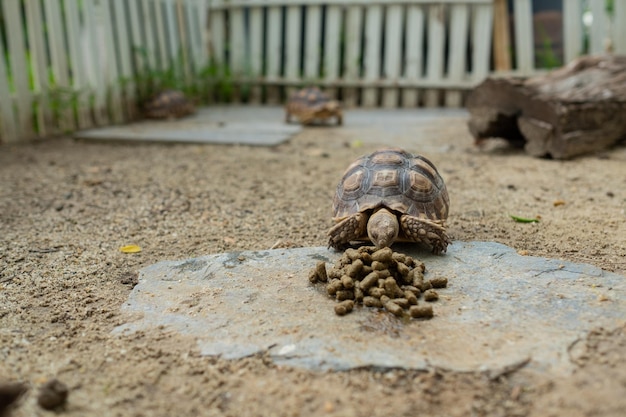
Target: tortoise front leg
[351,228]
[426,231]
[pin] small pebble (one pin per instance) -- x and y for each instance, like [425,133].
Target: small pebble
[52,394]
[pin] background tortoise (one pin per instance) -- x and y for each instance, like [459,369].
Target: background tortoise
[168,104]
[391,195]
[310,105]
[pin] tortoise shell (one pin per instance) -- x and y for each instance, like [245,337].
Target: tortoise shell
[168,104]
[409,186]
[311,104]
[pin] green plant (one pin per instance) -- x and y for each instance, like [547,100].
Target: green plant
[546,56]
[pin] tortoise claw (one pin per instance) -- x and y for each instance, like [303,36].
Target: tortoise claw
[426,231]
[351,228]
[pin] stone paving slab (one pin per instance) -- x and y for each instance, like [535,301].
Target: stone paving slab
[257,126]
[265,126]
[500,309]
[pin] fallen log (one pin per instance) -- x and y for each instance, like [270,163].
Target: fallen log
[574,110]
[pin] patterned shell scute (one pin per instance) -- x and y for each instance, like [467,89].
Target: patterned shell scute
[392,178]
[309,97]
[168,104]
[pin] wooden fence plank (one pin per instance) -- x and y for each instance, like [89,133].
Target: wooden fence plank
[392,52]
[196,18]
[221,4]
[150,49]
[436,46]
[414,52]
[39,65]
[619,27]
[352,57]
[524,52]
[597,32]
[136,39]
[332,42]
[19,65]
[61,93]
[572,29]
[293,34]
[255,39]
[125,82]
[183,36]
[217,37]
[77,67]
[482,24]
[373,35]
[274,51]
[501,36]
[237,49]
[111,75]
[161,36]
[457,52]
[217,47]
[172,39]
[93,50]
[8,128]
[312,48]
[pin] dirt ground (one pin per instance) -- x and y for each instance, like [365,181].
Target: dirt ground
[66,207]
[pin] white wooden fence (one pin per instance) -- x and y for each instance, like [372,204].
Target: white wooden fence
[74,64]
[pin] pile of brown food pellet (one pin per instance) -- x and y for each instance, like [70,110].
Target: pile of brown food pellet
[378,278]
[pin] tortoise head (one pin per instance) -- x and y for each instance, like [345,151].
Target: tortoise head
[383,228]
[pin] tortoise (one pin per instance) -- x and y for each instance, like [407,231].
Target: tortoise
[310,105]
[390,196]
[168,104]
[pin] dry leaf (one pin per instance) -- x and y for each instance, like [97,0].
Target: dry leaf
[130,249]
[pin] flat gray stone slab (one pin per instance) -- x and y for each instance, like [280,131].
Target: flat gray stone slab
[265,126]
[500,310]
[260,126]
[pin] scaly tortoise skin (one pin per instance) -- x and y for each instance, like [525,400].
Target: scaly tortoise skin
[391,196]
[311,105]
[168,104]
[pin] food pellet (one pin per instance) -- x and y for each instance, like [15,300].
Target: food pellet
[378,278]
[390,306]
[320,269]
[344,295]
[439,282]
[369,281]
[410,297]
[344,307]
[391,288]
[355,268]
[421,312]
[370,301]
[376,292]
[431,295]
[333,287]
[402,302]
[403,269]
[378,266]
[382,255]
[347,282]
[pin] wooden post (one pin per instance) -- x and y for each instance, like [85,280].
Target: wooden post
[501,36]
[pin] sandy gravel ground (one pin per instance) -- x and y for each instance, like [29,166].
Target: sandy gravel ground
[66,207]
